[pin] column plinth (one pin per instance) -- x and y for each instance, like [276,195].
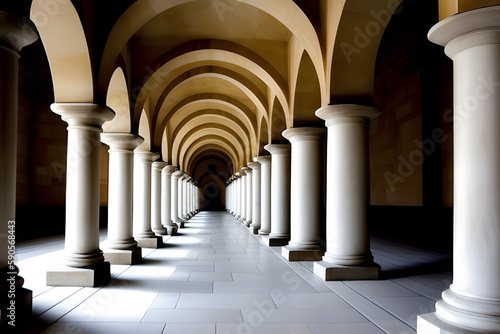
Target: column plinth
[166,199]
[265,194]
[156,207]
[255,225]
[348,253]
[306,194]
[120,247]
[143,234]
[280,194]
[82,196]
[472,302]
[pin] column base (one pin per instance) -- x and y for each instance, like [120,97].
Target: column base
[272,241]
[293,254]
[180,223]
[254,229]
[261,232]
[332,272]
[129,256]
[153,242]
[160,232]
[431,324]
[96,275]
[172,229]
[247,223]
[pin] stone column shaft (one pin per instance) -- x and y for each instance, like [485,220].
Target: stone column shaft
[265,194]
[280,194]
[167,202]
[120,227]
[306,193]
[255,225]
[156,207]
[142,199]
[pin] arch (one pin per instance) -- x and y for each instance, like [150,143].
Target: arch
[199,123]
[144,132]
[278,124]
[67,51]
[354,46]
[199,108]
[164,76]
[205,134]
[165,147]
[263,137]
[204,158]
[212,143]
[285,12]
[307,94]
[117,99]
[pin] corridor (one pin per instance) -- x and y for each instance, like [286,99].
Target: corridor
[217,277]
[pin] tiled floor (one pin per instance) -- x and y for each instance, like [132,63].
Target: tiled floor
[216,277]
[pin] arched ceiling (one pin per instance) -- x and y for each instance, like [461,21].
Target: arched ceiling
[213,81]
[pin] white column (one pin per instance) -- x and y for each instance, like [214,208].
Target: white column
[156,225]
[306,194]
[255,226]
[185,196]
[82,190]
[237,195]
[180,188]
[14,35]
[120,224]
[167,201]
[243,194]
[347,193]
[280,194]
[175,198]
[142,199]
[248,197]
[265,194]
[472,40]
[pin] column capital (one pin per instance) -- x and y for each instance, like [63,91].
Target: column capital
[263,159]
[15,33]
[245,170]
[169,169]
[177,174]
[304,134]
[347,113]
[283,149]
[466,30]
[146,156]
[158,165]
[121,142]
[87,115]
[238,175]
[254,165]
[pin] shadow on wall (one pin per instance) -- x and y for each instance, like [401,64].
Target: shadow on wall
[212,198]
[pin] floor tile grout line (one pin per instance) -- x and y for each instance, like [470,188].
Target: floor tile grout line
[379,306]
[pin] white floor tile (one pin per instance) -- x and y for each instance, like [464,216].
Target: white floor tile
[192,316]
[108,328]
[189,329]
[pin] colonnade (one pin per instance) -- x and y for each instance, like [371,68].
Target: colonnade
[287,192]
[148,199]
